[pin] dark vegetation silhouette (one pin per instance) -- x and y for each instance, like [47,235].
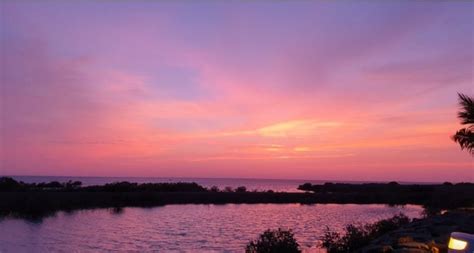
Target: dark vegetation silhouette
[434,196]
[9,184]
[241,189]
[37,199]
[372,237]
[357,236]
[465,136]
[274,241]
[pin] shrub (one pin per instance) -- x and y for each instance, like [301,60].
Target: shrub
[51,185]
[305,187]
[429,211]
[387,225]
[274,241]
[331,241]
[9,184]
[358,236]
[214,189]
[241,189]
[73,185]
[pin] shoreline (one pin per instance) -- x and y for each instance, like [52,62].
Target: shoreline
[38,199]
[43,203]
[26,204]
[426,235]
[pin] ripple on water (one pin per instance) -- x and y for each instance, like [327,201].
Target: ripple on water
[184,227]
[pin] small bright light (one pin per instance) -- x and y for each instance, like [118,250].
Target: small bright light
[456,244]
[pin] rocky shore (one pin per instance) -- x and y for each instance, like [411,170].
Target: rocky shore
[424,235]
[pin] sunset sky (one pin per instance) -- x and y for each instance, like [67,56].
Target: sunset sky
[343,90]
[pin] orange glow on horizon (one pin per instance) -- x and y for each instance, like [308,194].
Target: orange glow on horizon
[215,92]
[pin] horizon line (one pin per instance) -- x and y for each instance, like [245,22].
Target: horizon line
[244,178]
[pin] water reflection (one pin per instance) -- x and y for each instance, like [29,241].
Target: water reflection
[116,210]
[183,227]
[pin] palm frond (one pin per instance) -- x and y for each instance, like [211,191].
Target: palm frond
[465,138]
[466,115]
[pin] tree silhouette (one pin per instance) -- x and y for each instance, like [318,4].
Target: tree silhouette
[465,136]
[274,241]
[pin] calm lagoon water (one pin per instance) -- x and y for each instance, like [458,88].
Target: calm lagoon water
[183,228]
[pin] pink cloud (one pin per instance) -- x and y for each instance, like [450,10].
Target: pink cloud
[169,93]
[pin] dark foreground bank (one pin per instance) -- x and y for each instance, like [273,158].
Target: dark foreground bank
[427,235]
[398,234]
[21,199]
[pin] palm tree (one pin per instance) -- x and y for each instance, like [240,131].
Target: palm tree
[465,136]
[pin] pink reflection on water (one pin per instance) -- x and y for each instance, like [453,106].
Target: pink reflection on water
[214,228]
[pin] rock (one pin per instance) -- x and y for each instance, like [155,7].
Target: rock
[434,250]
[415,236]
[408,250]
[405,239]
[378,249]
[414,245]
[428,235]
